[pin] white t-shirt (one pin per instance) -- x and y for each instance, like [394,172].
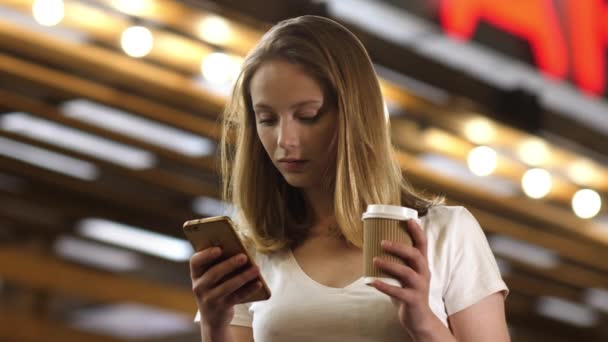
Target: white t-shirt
[463,271]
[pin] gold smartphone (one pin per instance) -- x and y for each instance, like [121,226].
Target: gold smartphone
[218,231]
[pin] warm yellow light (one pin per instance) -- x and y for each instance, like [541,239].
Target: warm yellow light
[482,160]
[48,12]
[586,203]
[219,68]
[137,41]
[536,183]
[214,30]
[133,7]
[582,172]
[479,131]
[534,152]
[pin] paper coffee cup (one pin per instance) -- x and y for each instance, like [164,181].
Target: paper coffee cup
[384,222]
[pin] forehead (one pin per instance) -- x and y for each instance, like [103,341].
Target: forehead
[280,83]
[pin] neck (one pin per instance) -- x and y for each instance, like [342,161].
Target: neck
[321,204]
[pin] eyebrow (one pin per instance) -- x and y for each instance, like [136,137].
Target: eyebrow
[295,105]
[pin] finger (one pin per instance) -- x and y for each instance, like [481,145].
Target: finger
[395,292]
[405,274]
[217,272]
[411,255]
[418,236]
[200,261]
[228,287]
[244,292]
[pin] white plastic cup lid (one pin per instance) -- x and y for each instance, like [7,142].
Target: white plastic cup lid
[394,212]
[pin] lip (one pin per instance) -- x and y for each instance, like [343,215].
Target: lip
[292,165]
[291,160]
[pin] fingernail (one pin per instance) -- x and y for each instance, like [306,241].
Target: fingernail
[241,259]
[385,243]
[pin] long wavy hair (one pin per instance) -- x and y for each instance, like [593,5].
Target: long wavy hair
[271,214]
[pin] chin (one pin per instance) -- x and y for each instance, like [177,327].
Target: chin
[297,180]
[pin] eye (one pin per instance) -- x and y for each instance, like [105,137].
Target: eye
[266,121]
[308,118]
[263,117]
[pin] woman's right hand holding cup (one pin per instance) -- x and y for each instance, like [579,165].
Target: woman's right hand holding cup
[215,293]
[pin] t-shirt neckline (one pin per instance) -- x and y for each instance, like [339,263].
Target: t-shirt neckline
[306,278]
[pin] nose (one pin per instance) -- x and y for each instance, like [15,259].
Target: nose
[288,136]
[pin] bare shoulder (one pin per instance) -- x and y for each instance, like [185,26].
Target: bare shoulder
[241,334]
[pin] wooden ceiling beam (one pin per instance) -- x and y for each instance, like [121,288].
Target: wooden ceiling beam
[116,68]
[549,216]
[13,101]
[77,87]
[591,256]
[555,216]
[531,221]
[48,273]
[153,176]
[56,214]
[580,253]
[101,192]
[187,20]
[528,325]
[26,328]
[565,273]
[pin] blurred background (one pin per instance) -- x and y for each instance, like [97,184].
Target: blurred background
[109,115]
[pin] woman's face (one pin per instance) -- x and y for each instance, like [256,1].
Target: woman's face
[295,130]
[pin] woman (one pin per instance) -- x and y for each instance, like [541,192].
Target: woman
[305,149]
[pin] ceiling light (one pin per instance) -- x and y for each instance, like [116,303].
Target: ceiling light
[566,311]
[48,12]
[534,152]
[52,133]
[479,131]
[586,203]
[49,160]
[597,298]
[96,255]
[133,7]
[582,172]
[457,170]
[536,183]
[139,128]
[138,239]
[27,22]
[504,267]
[482,160]
[523,252]
[208,206]
[219,68]
[131,321]
[137,41]
[214,30]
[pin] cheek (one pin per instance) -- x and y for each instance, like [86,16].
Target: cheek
[328,138]
[267,139]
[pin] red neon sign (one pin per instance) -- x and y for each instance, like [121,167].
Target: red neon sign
[589,35]
[537,22]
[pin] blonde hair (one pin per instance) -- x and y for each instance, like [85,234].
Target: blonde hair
[272,214]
